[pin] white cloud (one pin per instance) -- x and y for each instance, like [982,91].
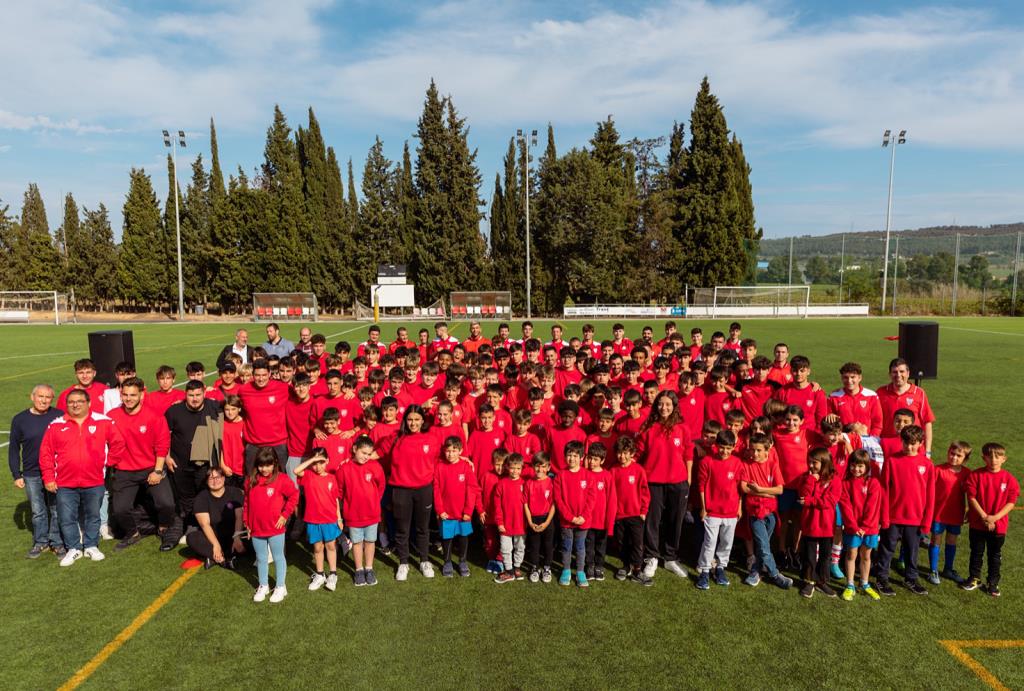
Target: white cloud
[14,121]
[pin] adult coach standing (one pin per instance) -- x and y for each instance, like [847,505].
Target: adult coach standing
[194,425]
[240,348]
[900,393]
[263,400]
[72,458]
[277,344]
[27,430]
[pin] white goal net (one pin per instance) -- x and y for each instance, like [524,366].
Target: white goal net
[33,306]
[751,301]
[435,310]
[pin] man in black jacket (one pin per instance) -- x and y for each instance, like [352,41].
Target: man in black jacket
[240,347]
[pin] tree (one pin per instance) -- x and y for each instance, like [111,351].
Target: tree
[97,240]
[744,225]
[340,232]
[196,244]
[70,226]
[36,261]
[142,261]
[508,227]
[777,271]
[817,270]
[976,273]
[7,232]
[406,199]
[282,181]
[378,219]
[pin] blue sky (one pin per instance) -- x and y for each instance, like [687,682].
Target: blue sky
[86,87]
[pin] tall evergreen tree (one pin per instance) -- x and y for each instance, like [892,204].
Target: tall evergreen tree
[217,189]
[353,200]
[69,227]
[380,242]
[406,199]
[508,227]
[141,261]
[7,233]
[169,231]
[35,256]
[239,242]
[97,245]
[339,231]
[743,219]
[282,180]
[196,237]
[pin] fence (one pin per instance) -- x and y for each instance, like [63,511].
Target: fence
[976,273]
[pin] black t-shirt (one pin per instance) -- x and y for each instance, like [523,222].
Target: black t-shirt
[221,509]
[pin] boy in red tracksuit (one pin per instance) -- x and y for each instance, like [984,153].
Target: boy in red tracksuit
[602,518]
[992,493]
[861,507]
[540,519]
[485,508]
[484,441]
[721,507]
[762,484]
[322,516]
[455,495]
[361,485]
[510,517]
[950,509]
[574,497]
[270,498]
[522,441]
[908,479]
[818,495]
[632,500]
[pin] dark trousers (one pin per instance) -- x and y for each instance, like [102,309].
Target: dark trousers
[459,544]
[817,555]
[412,507]
[125,488]
[629,532]
[597,547]
[665,520]
[992,542]
[536,542]
[281,450]
[911,537]
[198,543]
[186,482]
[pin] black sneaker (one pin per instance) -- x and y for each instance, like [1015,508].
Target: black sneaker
[970,584]
[639,577]
[621,575]
[207,563]
[228,564]
[598,574]
[916,588]
[826,590]
[168,543]
[35,552]
[128,542]
[807,591]
[60,551]
[885,589]
[992,590]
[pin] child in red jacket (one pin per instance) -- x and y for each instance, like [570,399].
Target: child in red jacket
[485,508]
[860,505]
[322,516]
[510,517]
[992,493]
[719,483]
[950,509]
[818,495]
[455,492]
[361,482]
[270,498]
[602,518]
[574,497]
[540,519]
[632,500]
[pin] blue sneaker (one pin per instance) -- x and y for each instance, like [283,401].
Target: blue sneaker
[492,567]
[581,579]
[836,572]
[566,577]
[703,580]
[360,578]
[720,578]
[371,577]
[753,579]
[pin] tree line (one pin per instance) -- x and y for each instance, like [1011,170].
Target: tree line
[615,221]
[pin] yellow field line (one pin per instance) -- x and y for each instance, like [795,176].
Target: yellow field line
[113,646]
[956,649]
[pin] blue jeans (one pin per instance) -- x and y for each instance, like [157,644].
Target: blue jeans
[276,545]
[43,504]
[574,540]
[762,529]
[72,501]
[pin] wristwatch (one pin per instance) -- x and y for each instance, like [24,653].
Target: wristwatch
[160,472]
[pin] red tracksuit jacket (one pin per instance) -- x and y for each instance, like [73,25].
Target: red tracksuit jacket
[664,456]
[632,494]
[818,518]
[75,455]
[266,501]
[361,486]
[909,484]
[455,489]
[509,499]
[861,505]
[145,436]
[602,516]
[540,497]
[574,496]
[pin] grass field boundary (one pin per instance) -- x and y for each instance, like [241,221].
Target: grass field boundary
[113,646]
[958,650]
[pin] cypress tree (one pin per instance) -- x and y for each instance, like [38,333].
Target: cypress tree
[70,227]
[406,196]
[7,232]
[36,260]
[238,242]
[97,241]
[169,239]
[380,242]
[339,232]
[353,201]
[464,199]
[282,181]
[217,190]
[743,220]
[323,255]
[141,261]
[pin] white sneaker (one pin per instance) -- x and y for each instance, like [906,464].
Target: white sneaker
[676,568]
[427,569]
[261,593]
[182,540]
[650,567]
[105,532]
[332,582]
[71,557]
[402,573]
[317,581]
[94,553]
[280,592]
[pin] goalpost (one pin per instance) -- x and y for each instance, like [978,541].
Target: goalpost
[435,310]
[753,301]
[33,306]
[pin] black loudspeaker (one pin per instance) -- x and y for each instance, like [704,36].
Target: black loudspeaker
[107,349]
[919,346]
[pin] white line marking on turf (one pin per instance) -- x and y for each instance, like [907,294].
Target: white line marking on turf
[982,331]
[347,331]
[6,443]
[208,374]
[18,357]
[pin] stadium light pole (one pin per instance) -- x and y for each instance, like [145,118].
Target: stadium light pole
[888,139]
[527,143]
[173,143]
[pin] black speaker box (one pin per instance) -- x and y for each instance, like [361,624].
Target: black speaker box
[919,346]
[107,349]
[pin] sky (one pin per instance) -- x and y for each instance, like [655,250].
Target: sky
[809,87]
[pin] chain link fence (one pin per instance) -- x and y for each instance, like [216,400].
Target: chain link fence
[950,274]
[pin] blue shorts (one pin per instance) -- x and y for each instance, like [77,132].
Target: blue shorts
[787,501]
[365,534]
[322,532]
[452,528]
[839,517]
[855,541]
[951,528]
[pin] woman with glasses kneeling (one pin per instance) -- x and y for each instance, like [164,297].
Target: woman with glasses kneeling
[218,511]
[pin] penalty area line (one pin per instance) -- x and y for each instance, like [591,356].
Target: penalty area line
[957,650]
[113,646]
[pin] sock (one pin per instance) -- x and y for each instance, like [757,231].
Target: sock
[933,557]
[837,551]
[334,573]
[950,556]
[319,573]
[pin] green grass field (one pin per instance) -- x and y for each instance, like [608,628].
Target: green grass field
[472,633]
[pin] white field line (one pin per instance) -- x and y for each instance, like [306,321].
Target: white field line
[18,357]
[982,331]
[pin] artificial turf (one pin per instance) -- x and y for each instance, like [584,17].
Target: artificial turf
[472,633]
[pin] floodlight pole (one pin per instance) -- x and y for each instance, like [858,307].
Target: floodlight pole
[528,142]
[895,141]
[172,142]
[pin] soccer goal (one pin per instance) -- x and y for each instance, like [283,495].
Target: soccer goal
[33,306]
[481,305]
[273,307]
[436,310]
[751,301]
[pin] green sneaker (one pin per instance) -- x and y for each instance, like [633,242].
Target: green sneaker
[871,592]
[849,592]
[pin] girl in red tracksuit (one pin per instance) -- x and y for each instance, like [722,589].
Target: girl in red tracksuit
[485,508]
[574,497]
[602,518]
[540,519]
[861,508]
[455,492]
[270,498]
[818,493]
